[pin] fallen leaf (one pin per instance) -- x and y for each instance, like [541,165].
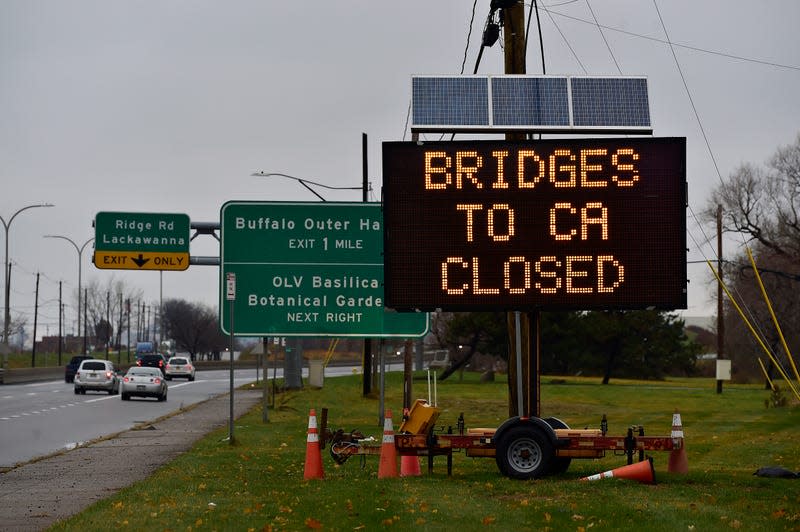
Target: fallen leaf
[313,523]
[488,520]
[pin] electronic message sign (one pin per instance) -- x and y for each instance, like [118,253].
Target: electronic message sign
[547,224]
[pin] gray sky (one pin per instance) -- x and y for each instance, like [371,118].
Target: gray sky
[169,106]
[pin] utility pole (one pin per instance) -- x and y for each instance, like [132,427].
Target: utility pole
[85,318]
[523,327]
[720,312]
[60,313]
[35,322]
[366,363]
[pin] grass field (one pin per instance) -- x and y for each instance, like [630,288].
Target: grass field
[257,484]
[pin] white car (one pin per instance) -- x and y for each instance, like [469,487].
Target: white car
[179,367]
[99,375]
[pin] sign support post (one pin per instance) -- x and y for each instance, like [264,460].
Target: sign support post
[231,296]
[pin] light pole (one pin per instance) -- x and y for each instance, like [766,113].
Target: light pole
[7,272]
[80,253]
[365,188]
[305,183]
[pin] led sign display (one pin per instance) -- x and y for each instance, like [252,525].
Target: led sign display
[549,224]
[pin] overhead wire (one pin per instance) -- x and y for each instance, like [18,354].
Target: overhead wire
[469,36]
[757,327]
[535,7]
[678,45]
[566,41]
[603,35]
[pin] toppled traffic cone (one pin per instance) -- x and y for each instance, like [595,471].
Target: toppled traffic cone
[313,467]
[678,462]
[640,471]
[388,463]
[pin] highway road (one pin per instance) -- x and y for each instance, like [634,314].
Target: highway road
[41,418]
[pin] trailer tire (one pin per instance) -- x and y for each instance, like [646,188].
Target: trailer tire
[560,463]
[524,452]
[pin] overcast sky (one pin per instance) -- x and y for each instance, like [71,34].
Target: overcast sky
[169,106]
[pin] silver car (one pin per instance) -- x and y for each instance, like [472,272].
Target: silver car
[179,367]
[143,381]
[98,375]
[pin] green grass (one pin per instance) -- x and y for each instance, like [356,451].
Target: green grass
[258,483]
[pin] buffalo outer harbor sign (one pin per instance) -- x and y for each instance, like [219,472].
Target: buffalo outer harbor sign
[308,269]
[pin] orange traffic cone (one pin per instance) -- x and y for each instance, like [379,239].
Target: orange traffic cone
[640,471]
[388,463]
[409,466]
[313,453]
[678,462]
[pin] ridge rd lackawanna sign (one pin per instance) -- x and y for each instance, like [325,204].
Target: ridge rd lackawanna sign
[569,224]
[141,241]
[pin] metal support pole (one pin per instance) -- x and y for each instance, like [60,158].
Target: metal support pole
[230,425]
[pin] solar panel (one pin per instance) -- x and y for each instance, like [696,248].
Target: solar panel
[606,102]
[454,101]
[529,101]
[560,104]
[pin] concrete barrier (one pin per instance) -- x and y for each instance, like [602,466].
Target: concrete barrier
[20,375]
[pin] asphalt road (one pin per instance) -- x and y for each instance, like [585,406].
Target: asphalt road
[41,418]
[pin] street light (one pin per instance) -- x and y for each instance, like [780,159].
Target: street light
[305,183]
[365,188]
[7,271]
[80,253]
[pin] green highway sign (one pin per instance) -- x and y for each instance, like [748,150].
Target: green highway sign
[141,241]
[308,269]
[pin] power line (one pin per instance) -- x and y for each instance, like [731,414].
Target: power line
[603,35]
[469,35]
[679,45]
[549,14]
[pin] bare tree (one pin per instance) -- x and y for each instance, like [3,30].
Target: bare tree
[103,306]
[763,205]
[193,326]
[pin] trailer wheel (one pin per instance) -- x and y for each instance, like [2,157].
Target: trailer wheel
[524,452]
[560,463]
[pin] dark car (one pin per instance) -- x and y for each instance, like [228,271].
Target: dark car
[72,367]
[152,360]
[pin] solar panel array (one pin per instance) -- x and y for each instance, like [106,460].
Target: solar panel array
[530,103]
[451,100]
